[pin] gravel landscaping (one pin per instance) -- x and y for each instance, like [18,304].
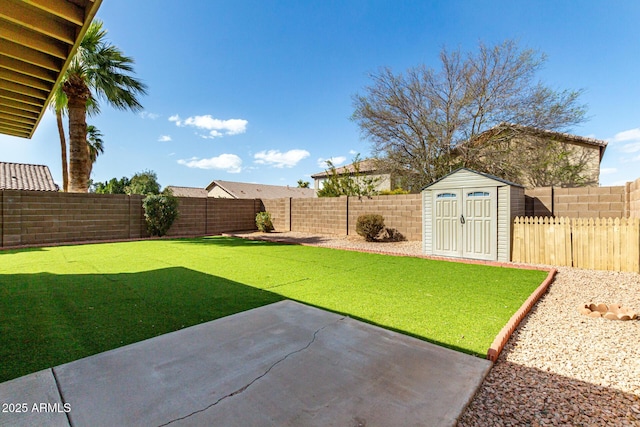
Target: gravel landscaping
[559,367]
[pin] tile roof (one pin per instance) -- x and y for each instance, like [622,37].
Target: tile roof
[187,191]
[538,131]
[245,190]
[21,176]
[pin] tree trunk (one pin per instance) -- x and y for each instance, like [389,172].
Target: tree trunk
[63,149]
[77,95]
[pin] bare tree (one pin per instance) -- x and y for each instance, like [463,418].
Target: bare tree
[419,122]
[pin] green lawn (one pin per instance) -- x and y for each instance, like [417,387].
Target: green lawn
[63,303]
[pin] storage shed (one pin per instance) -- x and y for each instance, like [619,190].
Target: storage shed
[469,214]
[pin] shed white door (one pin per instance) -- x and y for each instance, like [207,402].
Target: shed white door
[465,223]
[446,223]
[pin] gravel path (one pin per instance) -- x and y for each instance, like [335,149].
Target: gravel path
[559,367]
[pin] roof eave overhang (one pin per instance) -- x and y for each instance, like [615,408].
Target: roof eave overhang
[23,127]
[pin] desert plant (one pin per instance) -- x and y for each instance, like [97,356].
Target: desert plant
[160,211]
[263,222]
[369,226]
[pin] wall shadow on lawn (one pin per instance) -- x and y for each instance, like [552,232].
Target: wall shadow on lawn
[524,395]
[49,319]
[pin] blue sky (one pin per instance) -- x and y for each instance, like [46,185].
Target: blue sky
[261,91]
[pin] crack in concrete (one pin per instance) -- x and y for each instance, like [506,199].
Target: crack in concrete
[63,401]
[249,384]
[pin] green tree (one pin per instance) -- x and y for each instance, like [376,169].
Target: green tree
[98,71]
[420,120]
[349,183]
[303,184]
[113,186]
[145,182]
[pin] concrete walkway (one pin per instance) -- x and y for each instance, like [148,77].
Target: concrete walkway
[285,364]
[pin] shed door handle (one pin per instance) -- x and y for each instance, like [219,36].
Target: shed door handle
[461,219]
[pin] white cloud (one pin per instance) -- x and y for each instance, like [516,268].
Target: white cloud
[633,147]
[215,127]
[280,160]
[164,138]
[627,135]
[229,162]
[336,161]
[148,115]
[608,171]
[353,152]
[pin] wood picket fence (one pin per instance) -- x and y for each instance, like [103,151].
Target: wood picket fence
[595,243]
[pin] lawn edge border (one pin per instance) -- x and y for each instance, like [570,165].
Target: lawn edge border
[503,336]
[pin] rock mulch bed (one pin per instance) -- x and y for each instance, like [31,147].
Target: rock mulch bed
[559,367]
[563,368]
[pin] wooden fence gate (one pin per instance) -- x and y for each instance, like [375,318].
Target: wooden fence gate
[593,243]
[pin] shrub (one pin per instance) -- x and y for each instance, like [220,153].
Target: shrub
[263,222]
[369,226]
[160,211]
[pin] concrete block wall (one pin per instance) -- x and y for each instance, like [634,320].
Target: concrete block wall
[32,217]
[633,202]
[589,202]
[225,215]
[539,201]
[192,219]
[402,212]
[323,215]
[580,202]
[280,210]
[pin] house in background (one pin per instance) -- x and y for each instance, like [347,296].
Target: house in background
[245,190]
[565,160]
[22,176]
[368,168]
[187,191]
[242,190]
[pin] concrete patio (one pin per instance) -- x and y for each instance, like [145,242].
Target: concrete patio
[285,364]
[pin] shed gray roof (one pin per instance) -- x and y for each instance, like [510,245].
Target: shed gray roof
[187,191]
[22,176]
[486,175]
[245,190]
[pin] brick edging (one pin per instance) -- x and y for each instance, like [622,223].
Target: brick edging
[501,340]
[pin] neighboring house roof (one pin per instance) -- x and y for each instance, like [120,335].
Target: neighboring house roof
[187,191]
[367,165]
[21,176]
[543,132]
[245,190]
[39,40]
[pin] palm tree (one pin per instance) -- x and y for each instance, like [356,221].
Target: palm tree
[95,145]
[98,71]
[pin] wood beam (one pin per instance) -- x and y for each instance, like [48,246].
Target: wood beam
[27,69]
[30,56]
[62,9]
[20,13]
[5,94]
[36,41]
[12,103]
[25,80]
